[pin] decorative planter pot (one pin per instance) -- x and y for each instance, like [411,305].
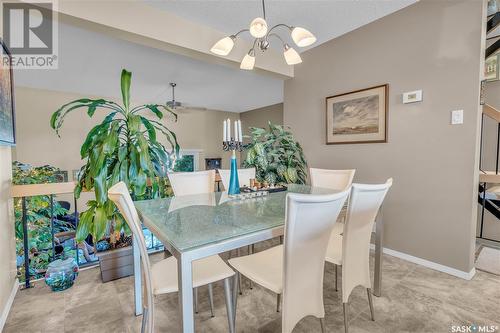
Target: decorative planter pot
[116,263]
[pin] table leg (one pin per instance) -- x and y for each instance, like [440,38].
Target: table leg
[184,269]
[137,277]
[379,233]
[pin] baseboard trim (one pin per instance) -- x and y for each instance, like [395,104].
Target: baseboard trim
[430,264]
[8,305]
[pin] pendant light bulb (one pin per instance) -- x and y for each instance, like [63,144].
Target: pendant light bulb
[223,46]
[302,37]
[291,56]
[258,27]
[248,61]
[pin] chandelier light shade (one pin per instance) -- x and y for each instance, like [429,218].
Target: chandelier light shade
[223,46]
[291,56]
[248,61]
[258,27]
[260,31]
[302,37]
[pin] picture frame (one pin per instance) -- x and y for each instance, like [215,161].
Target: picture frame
[359,116]
[7,114]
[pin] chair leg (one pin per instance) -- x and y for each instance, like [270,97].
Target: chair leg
[251,250]
[211,298]
[195,291]
[239,275]
[239,284]
[144,319]
[370,302]
[322,322]
[229,305]
[235,294]
[335,271]
[278,302]
[346,317]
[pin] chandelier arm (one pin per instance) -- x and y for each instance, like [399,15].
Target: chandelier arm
[239,32]
[277,36]
[279,25]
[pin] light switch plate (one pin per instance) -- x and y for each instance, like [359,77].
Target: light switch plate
[457,117]
[412,96]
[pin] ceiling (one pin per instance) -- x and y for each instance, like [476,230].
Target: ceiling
[90,62]
[327,19]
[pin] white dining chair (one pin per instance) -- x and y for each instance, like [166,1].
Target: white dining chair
[161,277]
[336,180]
[192,184]
[333,179]
[295,269]
[197,182]
[351,250]
[244,176]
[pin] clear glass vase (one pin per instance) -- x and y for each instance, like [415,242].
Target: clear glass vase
[61,274]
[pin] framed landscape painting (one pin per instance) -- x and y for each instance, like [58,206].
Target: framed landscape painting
[357,117]
[7,128]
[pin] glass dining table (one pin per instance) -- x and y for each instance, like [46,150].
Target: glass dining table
[192,227]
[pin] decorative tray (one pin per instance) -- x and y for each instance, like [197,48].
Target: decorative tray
[269,189]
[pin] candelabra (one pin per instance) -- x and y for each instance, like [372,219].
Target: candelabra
[233,144]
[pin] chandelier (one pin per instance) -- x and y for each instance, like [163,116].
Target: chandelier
[259,30]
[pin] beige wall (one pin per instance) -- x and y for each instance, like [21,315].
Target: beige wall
[38,144]
[7,236]
[435,46]
[261,116]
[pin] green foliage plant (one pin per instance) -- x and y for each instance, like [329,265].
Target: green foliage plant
[124,147]
[37,217]
[276,156]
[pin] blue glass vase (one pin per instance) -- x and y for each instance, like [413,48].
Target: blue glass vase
[234,184]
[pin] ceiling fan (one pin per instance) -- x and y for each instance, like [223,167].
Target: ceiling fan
[179,106]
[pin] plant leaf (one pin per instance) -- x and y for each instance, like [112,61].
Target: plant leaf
[125,86]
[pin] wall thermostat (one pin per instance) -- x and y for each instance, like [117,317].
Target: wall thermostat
[412,96]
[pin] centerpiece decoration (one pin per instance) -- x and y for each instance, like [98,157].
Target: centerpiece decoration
[233,144]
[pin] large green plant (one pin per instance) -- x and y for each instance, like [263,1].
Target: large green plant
[276,156]
[123,147]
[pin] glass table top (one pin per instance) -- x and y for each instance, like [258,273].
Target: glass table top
[191,221]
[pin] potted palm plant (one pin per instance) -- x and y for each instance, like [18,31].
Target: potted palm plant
[276,156]
[126,147]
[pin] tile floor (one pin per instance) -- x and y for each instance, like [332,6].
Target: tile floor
[414,299]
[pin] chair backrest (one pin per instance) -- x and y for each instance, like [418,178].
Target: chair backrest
[334,179]
[308,226]
[365,202]
[198,182]
[244,176]
[120,195]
